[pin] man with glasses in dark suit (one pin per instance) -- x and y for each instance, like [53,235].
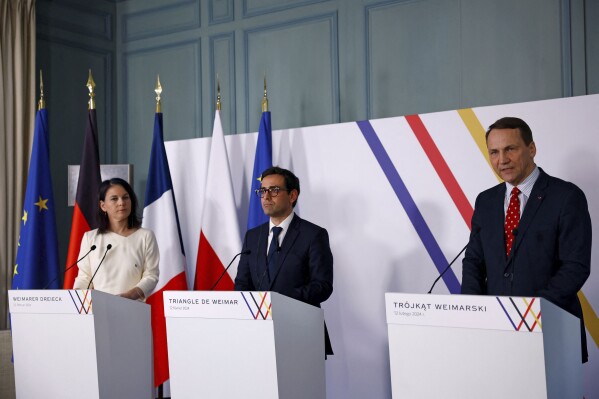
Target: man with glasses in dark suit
[289,255]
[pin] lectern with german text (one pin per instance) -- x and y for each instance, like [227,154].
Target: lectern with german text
[464,346]
[225,344]
[80,344]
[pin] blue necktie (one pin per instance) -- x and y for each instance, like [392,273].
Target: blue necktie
[273,251]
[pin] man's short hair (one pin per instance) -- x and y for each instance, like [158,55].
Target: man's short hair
[291,180]
[510,122]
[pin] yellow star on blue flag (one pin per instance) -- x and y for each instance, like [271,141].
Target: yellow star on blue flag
[41,203]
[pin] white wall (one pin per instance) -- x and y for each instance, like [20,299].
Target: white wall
[375,245]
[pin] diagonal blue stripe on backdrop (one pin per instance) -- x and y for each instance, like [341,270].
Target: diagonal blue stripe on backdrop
[406,200]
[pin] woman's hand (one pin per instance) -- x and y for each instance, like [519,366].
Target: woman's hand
[134,293]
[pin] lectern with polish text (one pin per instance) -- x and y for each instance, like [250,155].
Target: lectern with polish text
[465,346]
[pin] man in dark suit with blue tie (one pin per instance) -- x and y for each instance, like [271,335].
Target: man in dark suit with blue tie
[531,236]
[289,255]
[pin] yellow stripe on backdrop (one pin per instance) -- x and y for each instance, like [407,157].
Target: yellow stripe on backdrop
[590,317]
[477,131]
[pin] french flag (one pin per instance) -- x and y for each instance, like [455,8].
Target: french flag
[160,215]
[220,240]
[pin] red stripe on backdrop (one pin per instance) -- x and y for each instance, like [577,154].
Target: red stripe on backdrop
[78,227]
[441,167]
[209,268]
[177,283]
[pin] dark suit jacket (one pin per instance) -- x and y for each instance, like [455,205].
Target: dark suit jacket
[305,264]
[551,255]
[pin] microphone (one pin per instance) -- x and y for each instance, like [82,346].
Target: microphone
[93,247]
[278,249]
[450,264]
[266,269]
[446,269]
[100,264]
[244,252]
[262,278]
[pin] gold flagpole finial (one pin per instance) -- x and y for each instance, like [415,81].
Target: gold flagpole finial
[91,86]
[265,98]
[158,91]
[41,104]
[218,103]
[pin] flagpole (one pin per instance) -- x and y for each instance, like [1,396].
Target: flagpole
[158,91]
[218,103]
[265,98]
[41,104]
[91,85]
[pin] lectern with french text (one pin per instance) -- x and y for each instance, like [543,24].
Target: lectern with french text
[464,346]
[80,344]
[225,344]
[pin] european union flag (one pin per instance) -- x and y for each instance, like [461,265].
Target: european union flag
[37,254]
[262,161]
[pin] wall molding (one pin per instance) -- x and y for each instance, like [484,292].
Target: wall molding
[106,91]
[566,48]
[76,19]
[189,8]
[232,84]
[229,16]
[367,10]
[252,11]
[196,46]
[332,18]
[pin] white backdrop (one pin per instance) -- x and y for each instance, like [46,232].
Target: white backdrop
[376,247]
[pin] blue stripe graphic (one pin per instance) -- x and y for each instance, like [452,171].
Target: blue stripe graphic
[406,200]
[506,313]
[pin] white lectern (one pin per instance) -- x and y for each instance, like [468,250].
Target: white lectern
[225,344]
[463,346]
[80,344]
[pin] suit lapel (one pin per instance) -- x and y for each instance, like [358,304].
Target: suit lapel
[290,237]
[530,210]
[261,264]
[498,220]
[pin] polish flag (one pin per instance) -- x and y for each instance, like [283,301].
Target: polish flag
[220,240]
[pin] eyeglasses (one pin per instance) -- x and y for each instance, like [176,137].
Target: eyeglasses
[273,191]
